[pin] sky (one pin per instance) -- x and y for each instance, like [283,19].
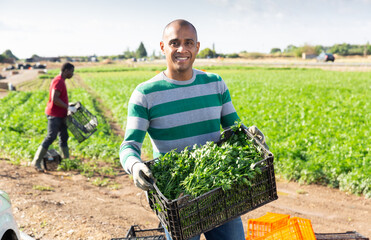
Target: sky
[110,27]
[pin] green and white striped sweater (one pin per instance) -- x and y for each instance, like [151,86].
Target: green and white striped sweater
[176,114]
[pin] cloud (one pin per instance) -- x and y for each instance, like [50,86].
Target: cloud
[9,26]
[251,9]
[219,2]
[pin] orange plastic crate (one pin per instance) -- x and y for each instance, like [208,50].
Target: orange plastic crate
[296,229]
[260,226]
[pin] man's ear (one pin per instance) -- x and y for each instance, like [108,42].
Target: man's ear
[162,46]
[198,46]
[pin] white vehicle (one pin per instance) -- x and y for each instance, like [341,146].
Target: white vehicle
[8,226]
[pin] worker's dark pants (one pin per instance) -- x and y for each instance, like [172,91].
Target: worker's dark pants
[56,126]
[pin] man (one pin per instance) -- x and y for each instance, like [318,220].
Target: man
[179,107]
[56,111]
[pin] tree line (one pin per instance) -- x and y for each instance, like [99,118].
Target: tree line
[343,49]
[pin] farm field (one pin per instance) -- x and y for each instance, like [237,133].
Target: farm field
[316,123]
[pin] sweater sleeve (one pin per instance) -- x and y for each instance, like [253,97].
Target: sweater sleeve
[229,115]
[136,128]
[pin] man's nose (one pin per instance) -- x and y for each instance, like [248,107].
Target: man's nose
[181,48]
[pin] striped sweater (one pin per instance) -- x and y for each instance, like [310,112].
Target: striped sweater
[176,114]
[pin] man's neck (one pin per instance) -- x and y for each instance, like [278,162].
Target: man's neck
[179,76]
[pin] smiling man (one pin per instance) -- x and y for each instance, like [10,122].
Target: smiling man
[179,107]
[180,46]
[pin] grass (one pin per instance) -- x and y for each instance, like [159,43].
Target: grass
[42,188]
[106,182]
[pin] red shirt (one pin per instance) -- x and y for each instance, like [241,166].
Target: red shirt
[52,109]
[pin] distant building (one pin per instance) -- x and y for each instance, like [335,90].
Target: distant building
[8,60]
[43,59]
[62,59]
[308,56]
[93,59]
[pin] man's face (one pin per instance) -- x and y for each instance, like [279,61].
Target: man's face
[180,47]
[69,73]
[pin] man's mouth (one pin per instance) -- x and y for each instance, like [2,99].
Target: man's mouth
[181,58]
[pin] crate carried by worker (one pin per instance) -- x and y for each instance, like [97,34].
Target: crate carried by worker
[82,124]
[187,216]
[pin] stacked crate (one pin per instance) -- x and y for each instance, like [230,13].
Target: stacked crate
[274,226]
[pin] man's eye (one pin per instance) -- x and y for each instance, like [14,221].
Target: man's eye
[174,44]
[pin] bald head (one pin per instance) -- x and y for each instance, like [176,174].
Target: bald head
[179,23]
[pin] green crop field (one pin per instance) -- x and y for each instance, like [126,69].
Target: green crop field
[23,127]
[317,123]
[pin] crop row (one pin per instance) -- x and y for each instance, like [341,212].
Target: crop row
[316,122]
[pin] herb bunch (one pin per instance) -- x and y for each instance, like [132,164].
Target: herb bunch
[201,169]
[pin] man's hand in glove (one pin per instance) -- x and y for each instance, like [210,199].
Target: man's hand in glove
[258,134]
[142,176]
[71,109]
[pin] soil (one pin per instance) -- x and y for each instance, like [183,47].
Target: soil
[21,76]
[66,205]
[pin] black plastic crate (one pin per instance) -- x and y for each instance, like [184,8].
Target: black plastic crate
[187,217]
[340,236]
[82,124]
[136,233]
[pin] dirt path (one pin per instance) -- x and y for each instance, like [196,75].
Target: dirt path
[65,205]
[22,76]
[16,79]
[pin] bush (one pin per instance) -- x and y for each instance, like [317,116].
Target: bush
[232,55]
[275,50]
[341,49]
[253,55]
[206,53]
[290,49]
[356,51]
